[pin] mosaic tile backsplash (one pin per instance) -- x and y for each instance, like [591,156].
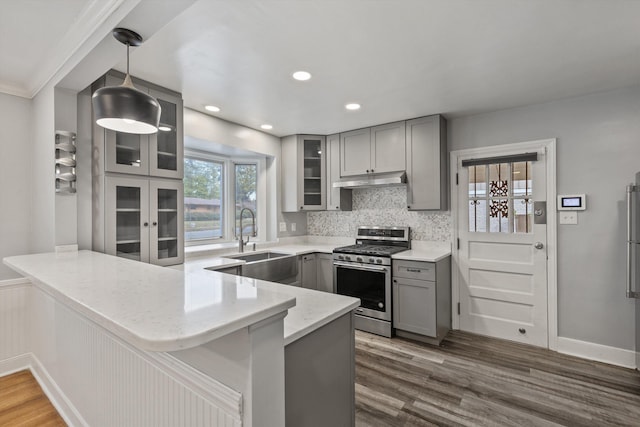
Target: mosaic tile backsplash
[381,206]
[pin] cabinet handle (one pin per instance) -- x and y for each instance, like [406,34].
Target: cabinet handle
[371,170]
[301,208]
[414,270]
[337,207]
[154,223]
[367,170]
[146,224]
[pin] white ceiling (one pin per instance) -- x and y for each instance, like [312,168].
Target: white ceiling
[398,58]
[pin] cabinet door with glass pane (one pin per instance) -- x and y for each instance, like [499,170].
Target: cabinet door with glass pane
[166,146]
[166,233]
[311,193]
[127,218]
[126,152]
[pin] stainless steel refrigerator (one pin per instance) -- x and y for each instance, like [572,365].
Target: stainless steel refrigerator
[633,255]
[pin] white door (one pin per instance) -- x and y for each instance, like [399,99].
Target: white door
[502,256]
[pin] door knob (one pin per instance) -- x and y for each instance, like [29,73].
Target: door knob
[538,245]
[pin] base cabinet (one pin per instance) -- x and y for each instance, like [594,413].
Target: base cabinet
[422,299]
[324,272]
[308,270]
[320,377]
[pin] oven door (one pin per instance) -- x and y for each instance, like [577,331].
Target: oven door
[370,283]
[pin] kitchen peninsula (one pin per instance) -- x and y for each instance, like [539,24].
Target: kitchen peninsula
[121,342]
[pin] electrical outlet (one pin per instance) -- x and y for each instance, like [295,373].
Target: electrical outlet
[568,217]
[293,226]
[283,226]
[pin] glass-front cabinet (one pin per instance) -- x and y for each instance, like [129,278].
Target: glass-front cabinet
[143,219]
[304,173]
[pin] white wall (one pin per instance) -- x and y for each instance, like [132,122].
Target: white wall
[598,153]
[15,178]
[208,128]
[42,186]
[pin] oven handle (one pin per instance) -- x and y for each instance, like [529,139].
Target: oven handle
[361,267]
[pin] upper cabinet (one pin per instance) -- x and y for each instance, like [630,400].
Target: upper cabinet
[159,154]
[426,155]
[378,149]
[303,173]
[338,199]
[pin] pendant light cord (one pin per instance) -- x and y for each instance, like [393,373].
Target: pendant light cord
[127,78]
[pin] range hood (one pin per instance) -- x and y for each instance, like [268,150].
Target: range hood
[373,180]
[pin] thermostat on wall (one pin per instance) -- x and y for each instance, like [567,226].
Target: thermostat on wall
[572,202]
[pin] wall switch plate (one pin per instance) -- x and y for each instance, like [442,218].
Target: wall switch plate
[283,226]
[568,217]
[293,226]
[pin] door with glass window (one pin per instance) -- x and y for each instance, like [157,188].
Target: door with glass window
[502,246]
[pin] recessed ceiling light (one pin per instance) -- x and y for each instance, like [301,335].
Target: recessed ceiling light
[352,106]
[302,75]
[212,108]
[266,126]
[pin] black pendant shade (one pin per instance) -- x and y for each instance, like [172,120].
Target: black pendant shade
[124,108]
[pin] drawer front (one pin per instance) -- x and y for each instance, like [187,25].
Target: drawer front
[414,270]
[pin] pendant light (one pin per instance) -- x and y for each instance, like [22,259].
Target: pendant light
[124,108]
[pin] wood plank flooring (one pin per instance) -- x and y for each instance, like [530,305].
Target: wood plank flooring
[478,381]
[24,404]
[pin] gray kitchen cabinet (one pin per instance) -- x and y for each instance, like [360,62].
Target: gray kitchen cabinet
[160,154]
[324,272]
[143,219]
[379,149]
[338,199]
[426,140]
[320,376]
[308,270]
[355,152]
[303,173]
[422,299]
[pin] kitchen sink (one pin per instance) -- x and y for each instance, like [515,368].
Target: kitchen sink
[258,256]
[270,266]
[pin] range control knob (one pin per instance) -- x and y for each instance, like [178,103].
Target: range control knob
[340,257]
[347,257]
[379,261]
[359,259]
[372,260]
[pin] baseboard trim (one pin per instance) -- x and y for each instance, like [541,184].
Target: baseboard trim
[15,364]
[57,398]
[597,352]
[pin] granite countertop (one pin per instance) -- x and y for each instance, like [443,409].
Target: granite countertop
[151,307]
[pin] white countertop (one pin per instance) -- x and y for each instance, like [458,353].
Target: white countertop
[151,307]
[425,251]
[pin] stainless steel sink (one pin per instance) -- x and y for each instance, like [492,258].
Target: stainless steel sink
[270,266]
[258,256]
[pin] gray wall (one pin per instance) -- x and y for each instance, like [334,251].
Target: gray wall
[598,153]
[15,178]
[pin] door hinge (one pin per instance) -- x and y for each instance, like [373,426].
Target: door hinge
[458,243]
[456,179]
[458,309]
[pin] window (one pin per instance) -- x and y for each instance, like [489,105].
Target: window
[500,198]
[203,201]
[216,190]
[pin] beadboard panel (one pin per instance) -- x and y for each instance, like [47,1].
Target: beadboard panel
[13,318]
[113,384]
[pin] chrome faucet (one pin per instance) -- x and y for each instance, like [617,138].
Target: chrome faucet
[241,242]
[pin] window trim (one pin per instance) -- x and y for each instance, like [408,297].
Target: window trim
[228,193]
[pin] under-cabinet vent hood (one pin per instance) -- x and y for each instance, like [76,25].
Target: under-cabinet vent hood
[373,180]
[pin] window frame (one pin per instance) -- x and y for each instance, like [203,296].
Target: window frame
[228,195]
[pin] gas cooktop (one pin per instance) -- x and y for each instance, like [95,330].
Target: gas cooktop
[375,250]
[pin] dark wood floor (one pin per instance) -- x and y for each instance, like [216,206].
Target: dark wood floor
[23,403]
[478,381]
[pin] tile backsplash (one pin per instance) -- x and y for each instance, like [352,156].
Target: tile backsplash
[381,206]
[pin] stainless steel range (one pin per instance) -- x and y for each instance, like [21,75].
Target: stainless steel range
[363,271]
